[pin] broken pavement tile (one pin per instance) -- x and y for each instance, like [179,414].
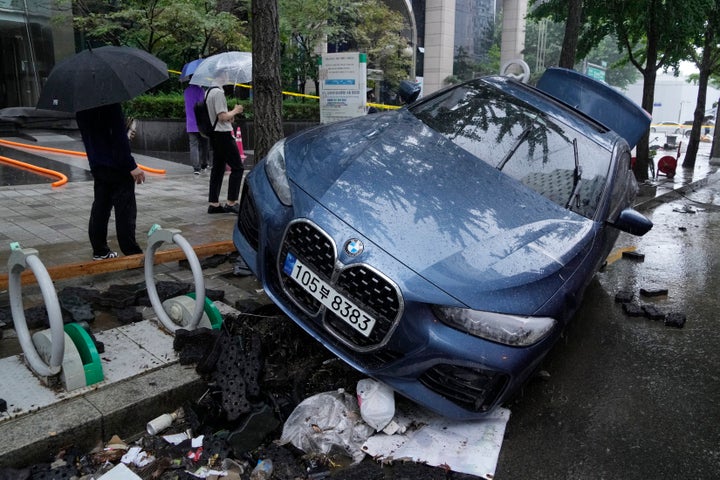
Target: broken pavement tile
[624,296]
[632,309]
[77,308]
[675,319]
[655,292]
[193,346]
[653,313]
[639,257]
[127,315]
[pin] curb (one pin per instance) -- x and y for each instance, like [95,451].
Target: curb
[120,409]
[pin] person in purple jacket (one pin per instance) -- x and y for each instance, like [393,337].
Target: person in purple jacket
[199,145]
[115,174]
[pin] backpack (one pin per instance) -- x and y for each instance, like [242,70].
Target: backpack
[202,116]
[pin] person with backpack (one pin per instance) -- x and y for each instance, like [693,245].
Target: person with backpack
[225,151]
[199,144]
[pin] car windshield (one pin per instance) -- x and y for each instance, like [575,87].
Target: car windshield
[556,161]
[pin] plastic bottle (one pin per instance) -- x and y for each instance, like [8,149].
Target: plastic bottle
[160,423]
[263,470]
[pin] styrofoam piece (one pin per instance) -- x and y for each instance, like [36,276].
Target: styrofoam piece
[471,447]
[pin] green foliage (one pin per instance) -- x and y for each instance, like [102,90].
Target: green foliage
[172,106]
[619,72]
[175,31]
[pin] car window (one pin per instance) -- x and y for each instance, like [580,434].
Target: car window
[552,159]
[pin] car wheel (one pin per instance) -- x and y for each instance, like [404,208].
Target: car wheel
[652,129]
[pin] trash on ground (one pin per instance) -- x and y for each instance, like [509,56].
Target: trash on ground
[377,405]
[470,447]
[263,470]
[138,457]
[158,424]
[120,472]
[685,209]
[326,422]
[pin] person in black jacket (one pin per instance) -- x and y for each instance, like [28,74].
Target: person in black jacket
[115,174]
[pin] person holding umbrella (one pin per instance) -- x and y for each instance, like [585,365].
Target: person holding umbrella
[199,144]
[91,84]
[115,174]
[226,68]
[225,151]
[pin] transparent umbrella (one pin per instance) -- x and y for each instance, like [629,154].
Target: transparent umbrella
[227,68]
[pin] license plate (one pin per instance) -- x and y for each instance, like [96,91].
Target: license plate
[328,296]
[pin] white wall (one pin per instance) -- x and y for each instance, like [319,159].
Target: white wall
[674,98]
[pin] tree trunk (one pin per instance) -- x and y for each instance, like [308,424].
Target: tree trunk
[267,89]
[643,148]
[572,31]
[694,141]
[706,69]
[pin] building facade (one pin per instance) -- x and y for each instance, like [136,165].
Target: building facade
[33,34]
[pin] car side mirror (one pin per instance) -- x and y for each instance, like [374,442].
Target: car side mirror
[408,91]
[632,222]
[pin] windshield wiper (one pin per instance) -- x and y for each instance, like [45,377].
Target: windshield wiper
[512,151]
[577,178]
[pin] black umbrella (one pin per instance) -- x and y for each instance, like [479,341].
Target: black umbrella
[101,76]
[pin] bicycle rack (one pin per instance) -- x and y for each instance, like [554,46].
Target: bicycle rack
[204,312]
[64,352]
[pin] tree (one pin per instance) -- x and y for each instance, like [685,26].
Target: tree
[707,62]
[174,30]
[653,34]
[370,26]
[572,32]
[267,92]
[304,26]
[619,72]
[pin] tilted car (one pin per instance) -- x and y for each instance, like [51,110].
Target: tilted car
[441,248]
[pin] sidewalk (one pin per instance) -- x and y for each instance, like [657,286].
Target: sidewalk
[143,377]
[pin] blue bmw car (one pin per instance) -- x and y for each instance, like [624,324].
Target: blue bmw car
[441,248]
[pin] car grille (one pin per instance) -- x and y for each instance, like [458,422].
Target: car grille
[248,218]
[473,389]
[362,284]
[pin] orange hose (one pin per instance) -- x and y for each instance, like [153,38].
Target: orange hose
[63,179]
[69,152]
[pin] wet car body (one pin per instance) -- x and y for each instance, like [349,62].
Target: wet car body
[440,248]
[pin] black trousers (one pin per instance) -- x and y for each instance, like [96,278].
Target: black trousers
[225,152]
[113,189]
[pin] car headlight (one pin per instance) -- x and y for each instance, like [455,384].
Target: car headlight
[513,330]
[277,173]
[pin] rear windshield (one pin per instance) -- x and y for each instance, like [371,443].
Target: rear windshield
[556,161]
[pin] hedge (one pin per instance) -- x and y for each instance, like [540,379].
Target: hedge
[172,106]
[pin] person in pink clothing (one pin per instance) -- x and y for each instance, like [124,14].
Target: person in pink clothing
[199,145]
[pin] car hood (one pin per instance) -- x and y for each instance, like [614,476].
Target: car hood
[450,217]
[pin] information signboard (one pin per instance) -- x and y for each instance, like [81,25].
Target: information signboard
[343,86]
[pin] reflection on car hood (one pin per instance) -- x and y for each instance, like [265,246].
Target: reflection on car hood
[448,216]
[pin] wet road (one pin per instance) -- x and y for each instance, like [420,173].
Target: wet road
[628,397]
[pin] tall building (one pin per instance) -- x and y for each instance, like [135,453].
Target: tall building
[33,35]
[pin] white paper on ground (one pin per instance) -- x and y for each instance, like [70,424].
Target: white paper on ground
[120,472]
[471,447]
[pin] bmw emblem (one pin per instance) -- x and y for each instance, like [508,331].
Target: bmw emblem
[354,247]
